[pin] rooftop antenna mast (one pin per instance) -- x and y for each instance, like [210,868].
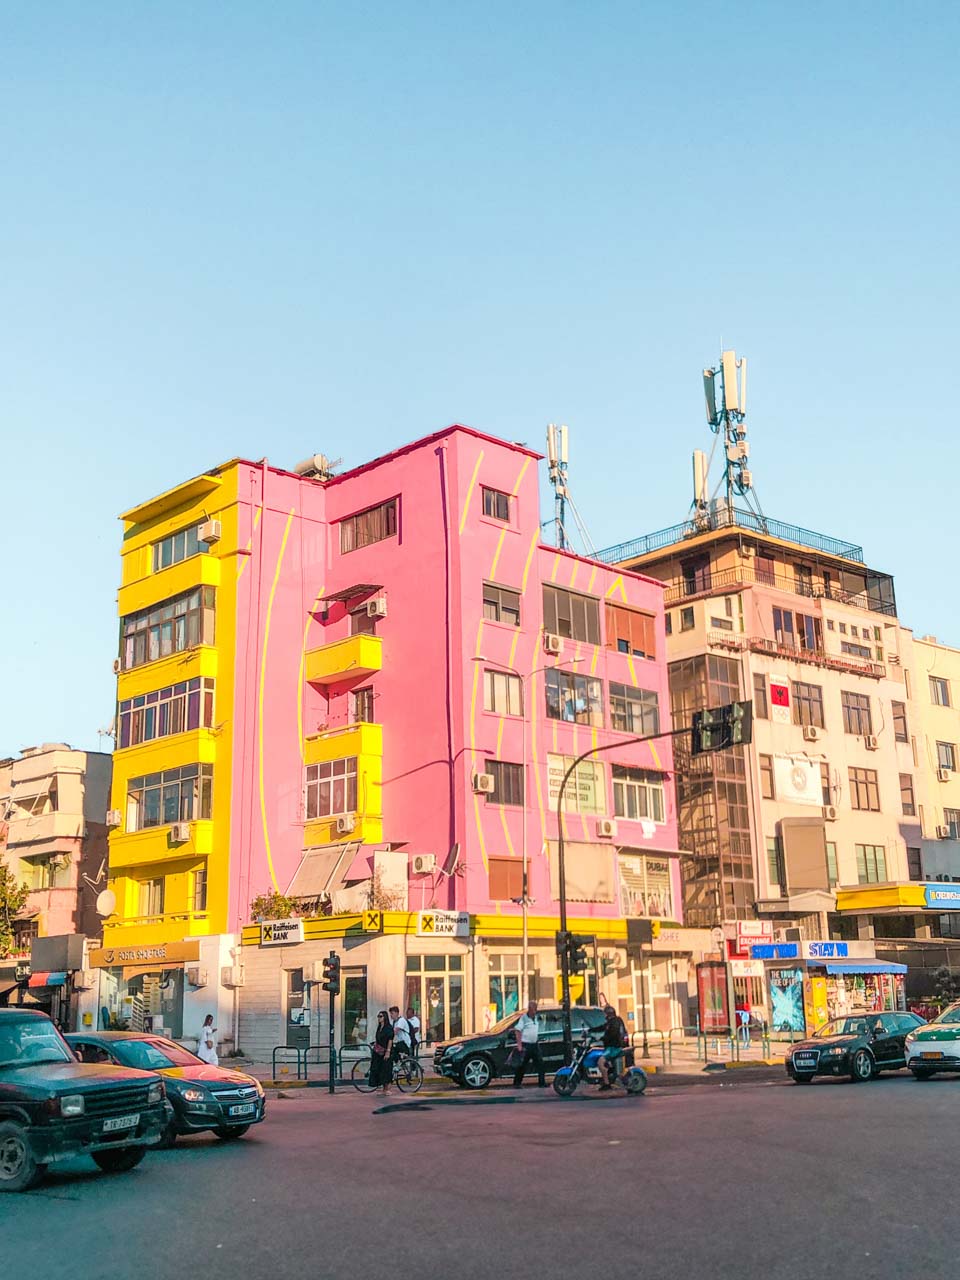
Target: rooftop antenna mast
[557,458]
[725,394]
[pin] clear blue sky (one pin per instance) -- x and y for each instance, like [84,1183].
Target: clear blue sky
[256,228]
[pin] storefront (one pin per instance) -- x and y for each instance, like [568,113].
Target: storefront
[142,988]
[809,983]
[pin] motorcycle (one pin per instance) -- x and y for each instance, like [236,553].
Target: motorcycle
[586,1066]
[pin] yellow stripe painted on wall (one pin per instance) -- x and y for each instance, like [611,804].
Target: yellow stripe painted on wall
[303,657]
[249,545]
[470,487]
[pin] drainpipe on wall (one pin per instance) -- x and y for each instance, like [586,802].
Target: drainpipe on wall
[447,559]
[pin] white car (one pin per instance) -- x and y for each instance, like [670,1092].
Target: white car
[936,1045]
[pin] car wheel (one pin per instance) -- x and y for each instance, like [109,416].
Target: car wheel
[807,1079]
[476,1072]
[227,1132]
[19,1171]
[168,1138]
[922,1073]
[119,1161]
[862,1068]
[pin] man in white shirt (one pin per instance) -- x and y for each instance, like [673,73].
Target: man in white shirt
[527,1031]
[413,1022]
[401,1031]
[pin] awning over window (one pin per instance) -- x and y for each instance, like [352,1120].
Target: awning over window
[322,870]
[349,593]
[864,966]
[47,980]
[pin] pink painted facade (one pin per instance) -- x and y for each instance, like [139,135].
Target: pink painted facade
[429,691]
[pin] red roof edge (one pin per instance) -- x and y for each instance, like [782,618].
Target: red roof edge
[601,564]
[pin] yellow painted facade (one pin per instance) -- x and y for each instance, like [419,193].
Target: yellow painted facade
[365,741]
[137,856]
[359,655]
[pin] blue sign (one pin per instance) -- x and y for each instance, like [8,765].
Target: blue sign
[942,897]
[775,951]
[827,950]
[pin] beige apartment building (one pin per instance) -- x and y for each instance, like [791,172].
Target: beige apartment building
[831,821]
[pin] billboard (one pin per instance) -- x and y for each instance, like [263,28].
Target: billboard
[712,994]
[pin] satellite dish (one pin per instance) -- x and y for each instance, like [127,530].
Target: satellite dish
[450,862]
[106,903]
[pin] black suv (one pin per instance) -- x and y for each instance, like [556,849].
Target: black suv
[859,1046]
[473,1061]
[53,1107]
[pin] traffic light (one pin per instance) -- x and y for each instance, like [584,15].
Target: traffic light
[721,727]
[578,953]
[331,974]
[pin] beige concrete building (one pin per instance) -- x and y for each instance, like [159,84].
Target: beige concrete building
[937,672]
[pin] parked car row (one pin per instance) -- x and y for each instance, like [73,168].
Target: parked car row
[108,1094]
[863,1045]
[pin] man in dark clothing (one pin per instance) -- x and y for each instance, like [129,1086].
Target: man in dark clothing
[614,1042]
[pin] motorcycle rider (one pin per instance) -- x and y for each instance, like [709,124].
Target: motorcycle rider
[614,1042]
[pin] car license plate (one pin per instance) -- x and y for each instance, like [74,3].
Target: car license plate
[243,1109]
[931,1055]
[805,1059]
[116,1123]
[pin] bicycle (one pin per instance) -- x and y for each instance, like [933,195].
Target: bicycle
[407,1074]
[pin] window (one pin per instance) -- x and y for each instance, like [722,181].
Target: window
[572,616]
[696,575]
[586,789]
[907,802]
[871,864]
[843,628]
[687,618]
[856,713]
[634,710]
[761,710]
[151,897]
[946,756]
[507,784]
[939,691]
[369,526]
[668,623]
[502,693]
[176,795]
[832,876]
[435,992]
[900,731]
[361,623]
[831,625]
[807,704]
[809,633]
[825,785]
[721,624]
[332,788]
[573,697]
[951,820]
[188,705]
[506,879]
[766,777]
[775,863]
[500,604]
[783,631]
[914,864]
[804,579]
[637,793]
[864,792]
[176,547]
[363,712]
[855,650]
[48,871]
[170,627]
[200,888]
[630,632]
[765,570]
[854,631]
[496,503]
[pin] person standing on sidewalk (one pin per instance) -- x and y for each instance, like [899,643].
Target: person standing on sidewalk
[381,1064]
[527,1029]
[401,1032]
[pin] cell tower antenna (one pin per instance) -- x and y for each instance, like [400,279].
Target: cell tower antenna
[725,397]
[557,460]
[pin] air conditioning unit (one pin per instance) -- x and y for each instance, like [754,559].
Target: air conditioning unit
[345,824]
[85,980]
[114,818]
[944,775]
[196,976]
[552,643]
[231,975]
[377,608]
[484,784]
[424,864]
[943,833]
[810,733]
[116,666]
[180,833]
[870,741]
[606,827]
[210,531]
[829,812]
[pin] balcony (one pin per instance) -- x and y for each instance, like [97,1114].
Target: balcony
[844,663]
[723,581]
[723,518]
[201,570]
[354,657]
[154,846]
[201,660]
[364,742]
[27,831]
[150,931]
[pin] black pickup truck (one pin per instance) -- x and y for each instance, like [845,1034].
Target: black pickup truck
[53,1107]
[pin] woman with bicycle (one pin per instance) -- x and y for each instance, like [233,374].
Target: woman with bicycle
[381,1065]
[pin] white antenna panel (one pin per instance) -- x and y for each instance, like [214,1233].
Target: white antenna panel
[699,476]
[731,399]
[743,384]
[710,395]
[563,445]
[552,445]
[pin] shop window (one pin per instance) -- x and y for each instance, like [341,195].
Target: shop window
[354,1005]
[501,604]
[505,984]
[630,632]
[646,887]
[434,990]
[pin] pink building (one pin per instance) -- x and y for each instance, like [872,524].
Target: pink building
[394,674]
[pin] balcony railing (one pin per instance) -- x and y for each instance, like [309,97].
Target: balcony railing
[726,519]
[721,581]
[817,657]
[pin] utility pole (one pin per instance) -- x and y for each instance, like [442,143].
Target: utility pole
[331,984]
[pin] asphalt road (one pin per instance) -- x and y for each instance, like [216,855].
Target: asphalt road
[737,1180]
